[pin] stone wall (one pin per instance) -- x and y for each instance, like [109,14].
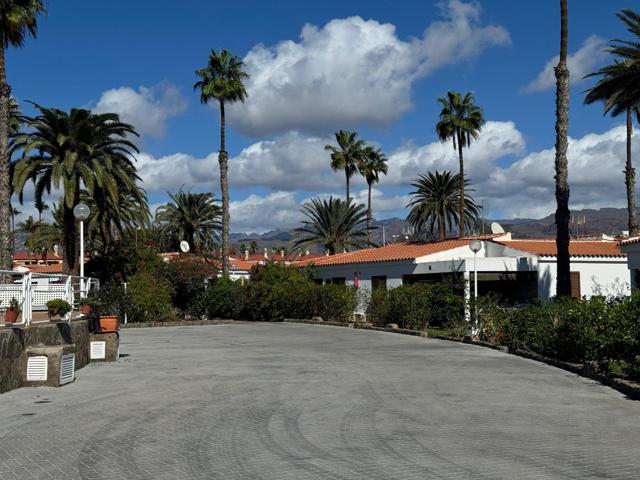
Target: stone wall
[15,341]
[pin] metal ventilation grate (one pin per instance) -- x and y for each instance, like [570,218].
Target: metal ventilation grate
[67,368]
[37,369]
[98,350]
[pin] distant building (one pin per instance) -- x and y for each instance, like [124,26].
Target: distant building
[632,248]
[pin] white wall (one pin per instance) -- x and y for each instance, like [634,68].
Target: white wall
[608,276]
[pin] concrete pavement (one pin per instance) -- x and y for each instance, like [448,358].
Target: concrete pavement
[282,401]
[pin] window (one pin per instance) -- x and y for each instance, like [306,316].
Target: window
[338,280]
[575,285]
[379,282]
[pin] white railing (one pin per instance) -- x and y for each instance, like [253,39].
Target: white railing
[33,290]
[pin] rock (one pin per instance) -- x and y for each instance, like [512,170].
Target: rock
[317,319]
[392,325]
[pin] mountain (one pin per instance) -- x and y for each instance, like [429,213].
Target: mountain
[585,223]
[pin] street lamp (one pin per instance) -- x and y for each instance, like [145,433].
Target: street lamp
[81,212]
[475,246]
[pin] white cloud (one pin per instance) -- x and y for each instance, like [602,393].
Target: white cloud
[584,61]
[353,71]
[293,164]
[596,162]
[147,109]
[263,213]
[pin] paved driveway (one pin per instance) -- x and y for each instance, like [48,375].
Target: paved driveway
[279,401]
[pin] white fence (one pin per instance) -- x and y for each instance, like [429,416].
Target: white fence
[33,290]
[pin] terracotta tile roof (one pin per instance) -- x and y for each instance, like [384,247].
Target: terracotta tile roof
[577,248]
[389,253]
[55,268]
[24,255]
[236,263]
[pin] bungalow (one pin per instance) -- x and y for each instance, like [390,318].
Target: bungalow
[518,270]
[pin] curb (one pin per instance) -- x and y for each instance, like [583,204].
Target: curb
[181,323]
[627,387]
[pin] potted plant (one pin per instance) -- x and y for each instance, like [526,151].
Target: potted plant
[13,311]
[108,319]
[86,306]
[57,308]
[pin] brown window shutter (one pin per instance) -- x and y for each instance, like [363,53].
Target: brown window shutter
[575,285]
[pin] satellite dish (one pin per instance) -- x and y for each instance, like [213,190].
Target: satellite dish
[184,246]
[496,228]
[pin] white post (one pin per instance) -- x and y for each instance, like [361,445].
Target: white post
[82,294]
[475,292]
[467,296]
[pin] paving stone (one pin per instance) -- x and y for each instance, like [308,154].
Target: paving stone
[284,401]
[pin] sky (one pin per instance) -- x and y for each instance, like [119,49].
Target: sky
[376,67]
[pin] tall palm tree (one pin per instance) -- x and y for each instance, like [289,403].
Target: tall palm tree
[194,217]
[18,18]
[223,80]
[337,225]
[562,216]
[76,151]
[346,155]
[372,164]
[619,90]
[616,90]
[435,204]
[460,121]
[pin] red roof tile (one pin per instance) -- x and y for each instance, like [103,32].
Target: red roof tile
[577,248]
[389,253]
[54,268]
[23,255]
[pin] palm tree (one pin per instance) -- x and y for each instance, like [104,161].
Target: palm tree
[619,90]
[76,151]
[336,224]
[372,164]
[563,283]
[223,80]
[346,155]
[435,203]
[194,217]
[460,120]
[628,49]
[41,206]
[18,18]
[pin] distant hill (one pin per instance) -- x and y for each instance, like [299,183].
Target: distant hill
[587,222]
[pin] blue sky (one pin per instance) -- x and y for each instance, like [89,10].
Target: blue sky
[316,67]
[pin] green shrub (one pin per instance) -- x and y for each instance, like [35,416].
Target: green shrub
[189,276]
[111,299]
[223,298]
[58,307]
[150,298]
[378,307]
[335,302]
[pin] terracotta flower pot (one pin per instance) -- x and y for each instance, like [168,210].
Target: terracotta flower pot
[85,309]
[108,324]
[10,315]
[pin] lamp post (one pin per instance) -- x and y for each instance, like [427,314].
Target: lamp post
[81,212]
[475,246]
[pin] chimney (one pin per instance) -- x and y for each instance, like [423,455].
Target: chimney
[282,252]
[307,253]
[246,254]
[266,255]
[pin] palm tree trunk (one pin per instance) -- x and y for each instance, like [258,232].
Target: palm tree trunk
[461,206]
[630,181]
[369,214]
[223,160]
[70,237]
[563,285]
[442,230]
[5,182]
[346,174]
